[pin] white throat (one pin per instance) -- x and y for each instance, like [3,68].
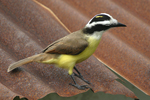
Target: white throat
[97,35]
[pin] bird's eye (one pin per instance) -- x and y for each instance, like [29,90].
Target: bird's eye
[98,16]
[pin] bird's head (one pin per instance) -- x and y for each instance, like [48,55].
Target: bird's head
[101,22]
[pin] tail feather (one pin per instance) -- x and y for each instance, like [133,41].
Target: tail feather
[21,62]
[42,58]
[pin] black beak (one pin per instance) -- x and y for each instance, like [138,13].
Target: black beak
[118,25]
[121,25]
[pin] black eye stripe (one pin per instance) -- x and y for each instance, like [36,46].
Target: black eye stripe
[95,28]
[103,18]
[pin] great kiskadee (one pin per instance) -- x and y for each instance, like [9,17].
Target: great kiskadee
[74,48]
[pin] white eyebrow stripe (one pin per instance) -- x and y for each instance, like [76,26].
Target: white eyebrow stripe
[89,25]
[106,22]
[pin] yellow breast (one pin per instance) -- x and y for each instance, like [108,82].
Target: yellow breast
[93,43]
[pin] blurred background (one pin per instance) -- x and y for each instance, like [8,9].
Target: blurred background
[119,69]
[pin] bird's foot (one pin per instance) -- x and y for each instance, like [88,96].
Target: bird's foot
[81,87]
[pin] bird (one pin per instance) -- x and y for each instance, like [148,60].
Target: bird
[74,48]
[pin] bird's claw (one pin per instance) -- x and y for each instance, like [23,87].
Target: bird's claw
[82,87]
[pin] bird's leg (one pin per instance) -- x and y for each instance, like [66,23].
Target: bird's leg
[82,87]
[80,76]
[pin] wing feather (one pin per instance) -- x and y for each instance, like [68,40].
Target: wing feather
[71,44]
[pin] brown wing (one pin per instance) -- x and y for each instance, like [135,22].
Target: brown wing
[72,44]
